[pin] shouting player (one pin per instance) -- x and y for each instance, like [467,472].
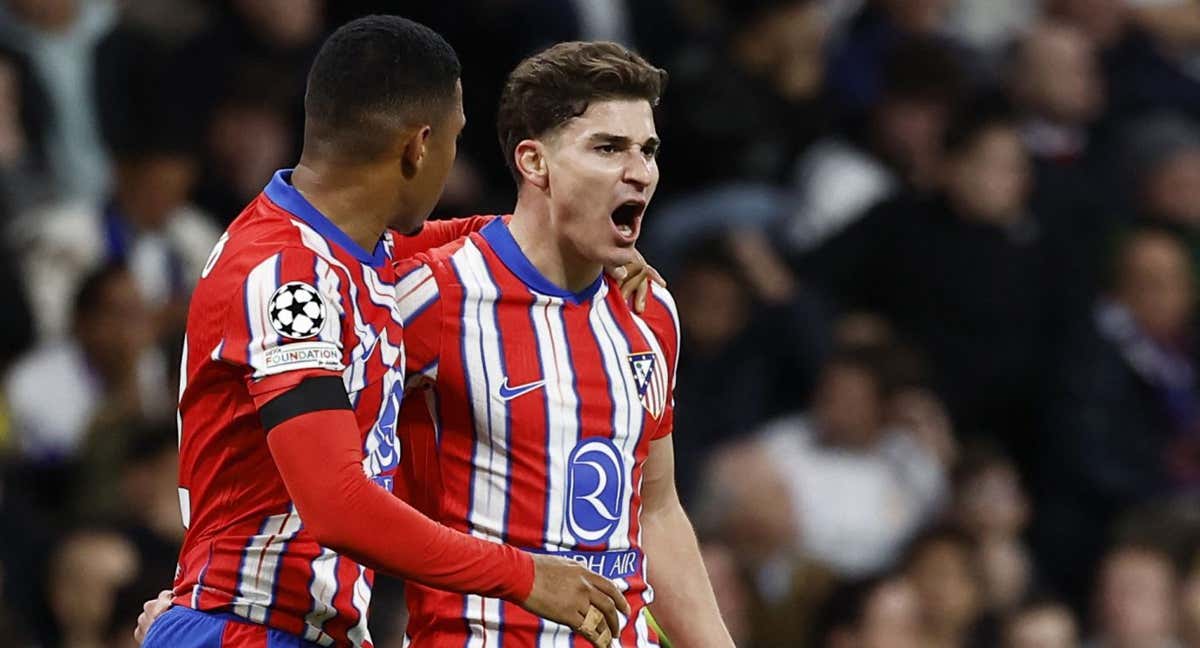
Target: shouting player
[547,412]
[293,375]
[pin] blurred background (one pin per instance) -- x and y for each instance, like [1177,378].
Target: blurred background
[936,264]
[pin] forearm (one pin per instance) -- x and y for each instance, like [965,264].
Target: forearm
[684,604]
[349,513]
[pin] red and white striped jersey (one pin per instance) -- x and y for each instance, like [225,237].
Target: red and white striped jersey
[284,296]
[529,418]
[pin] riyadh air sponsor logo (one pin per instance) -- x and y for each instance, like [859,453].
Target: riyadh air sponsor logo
[595,490]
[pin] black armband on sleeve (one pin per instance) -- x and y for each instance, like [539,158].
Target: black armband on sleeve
[311,395]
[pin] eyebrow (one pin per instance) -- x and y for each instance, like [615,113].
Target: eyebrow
[621,140]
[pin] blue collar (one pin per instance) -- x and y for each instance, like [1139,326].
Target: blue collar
[498,236]
[282,193]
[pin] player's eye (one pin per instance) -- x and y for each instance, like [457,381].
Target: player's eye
[607,149]
[650,152]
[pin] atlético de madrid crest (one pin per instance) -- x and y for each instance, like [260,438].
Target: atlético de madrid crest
[651,379]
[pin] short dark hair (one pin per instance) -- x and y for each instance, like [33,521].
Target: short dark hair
[90,292]
[846,606]
[974,120]
[925,70]
[372,75]
[555,86]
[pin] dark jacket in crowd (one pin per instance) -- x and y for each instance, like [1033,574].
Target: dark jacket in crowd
[985,302]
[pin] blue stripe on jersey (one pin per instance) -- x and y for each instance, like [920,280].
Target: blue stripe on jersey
[506,248]
[422,308]
[500,346]
[262,529]
[282,193]
[462,341]
[279,565]
[607,375]
[546,443]
[199,587]
[537,346]
[574,387]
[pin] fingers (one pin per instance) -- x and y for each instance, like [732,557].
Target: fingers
[151,610]
[608,608]
[617,272]
[634,276]
[609,589]
[655,277]
[143,623]
[595,630]
[639,300]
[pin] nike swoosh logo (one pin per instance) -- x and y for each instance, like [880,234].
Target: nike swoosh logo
[509,393]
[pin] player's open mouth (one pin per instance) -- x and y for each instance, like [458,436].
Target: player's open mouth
[627,218]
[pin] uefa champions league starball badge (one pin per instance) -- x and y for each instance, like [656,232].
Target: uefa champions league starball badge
[297,311]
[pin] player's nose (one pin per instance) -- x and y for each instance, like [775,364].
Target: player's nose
[639,171]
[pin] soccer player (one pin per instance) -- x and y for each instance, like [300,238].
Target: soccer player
[293,374]
[546,414]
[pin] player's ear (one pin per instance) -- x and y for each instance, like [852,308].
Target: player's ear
[531,163]
[413,145]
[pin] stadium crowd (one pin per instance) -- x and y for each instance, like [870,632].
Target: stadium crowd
[936,264]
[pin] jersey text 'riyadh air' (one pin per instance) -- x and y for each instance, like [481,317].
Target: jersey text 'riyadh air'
[529,417]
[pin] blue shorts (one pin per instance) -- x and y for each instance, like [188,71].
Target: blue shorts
[183,627]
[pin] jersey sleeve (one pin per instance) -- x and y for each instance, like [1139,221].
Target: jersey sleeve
[435,234]
[665,323]
[284,323]
[419,305]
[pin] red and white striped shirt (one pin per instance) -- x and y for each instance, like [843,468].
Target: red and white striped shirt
[529,417]
[284,296]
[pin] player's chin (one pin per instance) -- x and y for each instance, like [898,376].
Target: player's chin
[618,255]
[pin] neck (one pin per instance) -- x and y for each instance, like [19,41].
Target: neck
[533,230]
[347,196]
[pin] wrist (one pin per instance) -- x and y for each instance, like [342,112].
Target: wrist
[519,583]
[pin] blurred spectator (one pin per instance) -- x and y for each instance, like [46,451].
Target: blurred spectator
[1104,21]
[859,490]
[988,27]
[16,321]
[991,507]
[1190,605]
[747,109]
[59,38]
[1041,623]
[106,372]
[743,360]
[246,142]
[880,612]
[1057,90]
[940,566]
[967,276]
[87,570]
[1054,82]
[898,149]
[25,176]
[1163,156]
[148,225]
[140,497]
[260,46]
[783,589]
[1121,426]
[1136,599]
[856,67]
